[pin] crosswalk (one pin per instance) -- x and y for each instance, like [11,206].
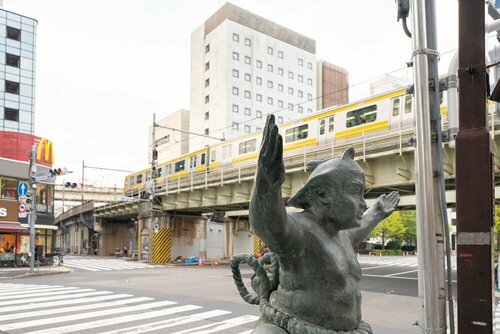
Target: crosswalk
[54,309]
[396,261]
[103,264]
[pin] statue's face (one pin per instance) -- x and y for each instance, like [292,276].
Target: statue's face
[340,202]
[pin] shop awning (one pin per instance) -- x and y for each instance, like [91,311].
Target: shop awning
[41,226]
[12,227]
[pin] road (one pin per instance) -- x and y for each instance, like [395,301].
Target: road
[109,295]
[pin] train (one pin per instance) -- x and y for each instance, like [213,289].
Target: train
[370,116]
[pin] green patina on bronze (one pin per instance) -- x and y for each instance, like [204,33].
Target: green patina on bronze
[312,286]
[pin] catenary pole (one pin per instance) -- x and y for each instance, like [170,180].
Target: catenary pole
[32,219]
[430,277]
[474,177]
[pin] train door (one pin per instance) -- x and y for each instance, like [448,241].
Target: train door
[396,112]
[226,155]
[326,128]
[407,117]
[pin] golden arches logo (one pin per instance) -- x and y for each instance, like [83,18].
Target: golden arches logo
[46,146]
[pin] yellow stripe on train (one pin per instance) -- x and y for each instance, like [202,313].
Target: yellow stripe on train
[245,157]
[362,129]
[300,144]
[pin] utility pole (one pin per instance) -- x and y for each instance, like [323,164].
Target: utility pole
[32,218]
[474,177]
[429,219]
[154,156]
[83,178]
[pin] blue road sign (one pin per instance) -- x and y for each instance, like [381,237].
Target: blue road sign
[22,188]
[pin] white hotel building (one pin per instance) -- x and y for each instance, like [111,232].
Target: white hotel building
[244,67]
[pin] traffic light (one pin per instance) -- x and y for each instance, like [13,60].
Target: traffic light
[57,171]
[155,154]
[70,185]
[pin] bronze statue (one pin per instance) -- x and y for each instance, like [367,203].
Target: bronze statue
[317,288]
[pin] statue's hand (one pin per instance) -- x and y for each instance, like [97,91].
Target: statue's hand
[387,203]
[270,166]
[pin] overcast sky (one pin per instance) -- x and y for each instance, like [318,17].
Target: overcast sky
[104,67]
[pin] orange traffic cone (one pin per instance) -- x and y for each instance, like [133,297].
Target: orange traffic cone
[216,262]
[201,262]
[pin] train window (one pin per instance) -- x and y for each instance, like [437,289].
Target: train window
[158,172]
[408,104]
[213,156]
[248,146]
[192,162]
[139,179]
[440,98]
[168,169]
[361,116]
[202,162]
[296,133]
[331,124]
[322,127]
[179,166]
[395,106]
[226,151]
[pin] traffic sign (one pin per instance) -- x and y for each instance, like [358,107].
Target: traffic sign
[22,207]
[156,228]
[22,198]
[22,188]
[23,215]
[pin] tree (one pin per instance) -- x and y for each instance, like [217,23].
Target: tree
[409,219]
[391,228]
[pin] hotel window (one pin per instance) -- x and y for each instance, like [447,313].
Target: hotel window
[207,82]
[236,37]
[207,48]
[236,108]
[309,96]
[12,87]
[248,42]
[236,91]
[310,65]
[280,119]
[309,81]
[290,74]
[259,81]
[259,97]
[247,111]
[269,67]
[309,111]
[258,129]
[207,115]
[12,60]
[248,60]
[290,90]
[290,106]
[258,114]
[269,50]
[206,132]
[11,114]
[235,126]
[207,99]
[248,94]
[301,78]
[270,100]
[248,77]
[269,84]
[301,93]
[280,87]
[280,54]
[236,74]
[247,128]
[301,62]
[13,33]
[301,109]
[236,56]
[280,103]
[259,64]
[280,71]
[207,66]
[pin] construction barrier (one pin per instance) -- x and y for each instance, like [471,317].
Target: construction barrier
[256,245]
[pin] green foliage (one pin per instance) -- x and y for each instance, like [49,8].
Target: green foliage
[391,228]
[383,252]
[409,219]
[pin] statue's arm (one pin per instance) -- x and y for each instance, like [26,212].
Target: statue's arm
[384,206]
[267,210]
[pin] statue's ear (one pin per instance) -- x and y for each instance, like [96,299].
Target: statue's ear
[348,154]
[312,164]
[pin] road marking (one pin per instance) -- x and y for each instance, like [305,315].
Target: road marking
[15,287]
[40,292]
[80,316]
[115,321]
[219,326]
[375,267]
[246,332]
[70,296]
[396,277]
[51,296]
[169,323]
[402,273]
[61,310]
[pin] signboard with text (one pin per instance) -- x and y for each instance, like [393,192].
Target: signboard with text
[8,210]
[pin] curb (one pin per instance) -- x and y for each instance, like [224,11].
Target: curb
[42,273]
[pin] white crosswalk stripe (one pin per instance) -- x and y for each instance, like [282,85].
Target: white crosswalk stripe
[395,261]
[103,264]
[60,309]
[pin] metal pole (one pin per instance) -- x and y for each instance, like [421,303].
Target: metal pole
[474,177]
[63,187]
[152,196]
[83,178]
[433,314]
[32,219]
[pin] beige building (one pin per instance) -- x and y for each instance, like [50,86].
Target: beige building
[332,85]
[169,143]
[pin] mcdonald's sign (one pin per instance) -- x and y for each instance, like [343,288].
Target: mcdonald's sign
[46,147]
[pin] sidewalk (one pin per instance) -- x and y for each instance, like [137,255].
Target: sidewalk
[10,272]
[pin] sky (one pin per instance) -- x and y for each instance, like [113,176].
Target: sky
[104,67]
